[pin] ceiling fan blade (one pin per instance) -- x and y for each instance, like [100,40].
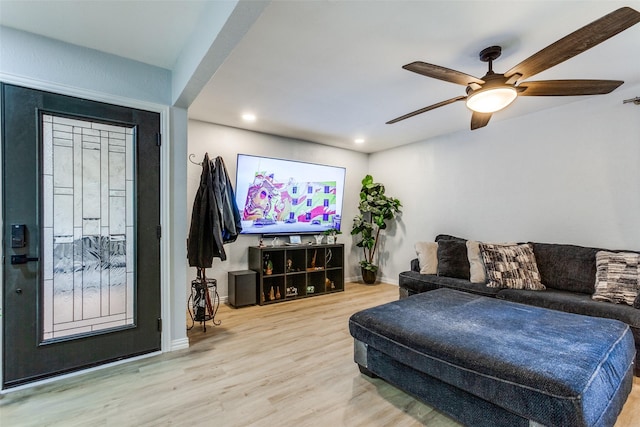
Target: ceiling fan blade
[425,109]
[479,120]
[568,87]
[577,42]
[442,73]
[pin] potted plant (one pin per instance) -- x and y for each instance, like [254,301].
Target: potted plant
[331,234]
[375,210]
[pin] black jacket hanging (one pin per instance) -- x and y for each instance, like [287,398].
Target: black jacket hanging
[215,218]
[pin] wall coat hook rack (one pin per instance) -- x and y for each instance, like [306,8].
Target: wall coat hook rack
[191,157]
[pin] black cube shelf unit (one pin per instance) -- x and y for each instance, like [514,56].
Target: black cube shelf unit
[290,272]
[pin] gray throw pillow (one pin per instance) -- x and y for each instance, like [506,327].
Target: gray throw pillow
[441,237]
[452,259]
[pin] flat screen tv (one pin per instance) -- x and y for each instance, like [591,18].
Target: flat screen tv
[277,196]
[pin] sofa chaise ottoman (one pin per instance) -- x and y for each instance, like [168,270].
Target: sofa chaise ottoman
[568,272]
[488,362]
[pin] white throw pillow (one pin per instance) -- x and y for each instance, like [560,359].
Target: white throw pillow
[476,265]
[427,257]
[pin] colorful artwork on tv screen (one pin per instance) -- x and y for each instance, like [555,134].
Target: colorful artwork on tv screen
[283,196]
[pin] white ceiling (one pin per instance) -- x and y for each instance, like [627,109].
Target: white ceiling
[329,71]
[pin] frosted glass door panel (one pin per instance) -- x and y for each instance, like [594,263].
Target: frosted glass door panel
[88,230]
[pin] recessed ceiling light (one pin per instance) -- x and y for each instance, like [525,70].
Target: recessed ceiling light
[359,141]
[249,117]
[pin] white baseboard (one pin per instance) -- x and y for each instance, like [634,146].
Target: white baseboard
[388,280]
[179,344]
[358,279]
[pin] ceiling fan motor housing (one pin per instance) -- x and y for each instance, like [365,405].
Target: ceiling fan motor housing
[494,95]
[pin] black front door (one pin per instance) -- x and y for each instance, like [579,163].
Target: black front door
[81,203]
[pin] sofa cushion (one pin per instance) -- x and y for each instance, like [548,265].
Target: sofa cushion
[417,283]
[574,302]
[566,267]
[427,257]
[452,259]
[511,266]
[617,277]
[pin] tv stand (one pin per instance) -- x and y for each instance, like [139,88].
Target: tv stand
[286,273]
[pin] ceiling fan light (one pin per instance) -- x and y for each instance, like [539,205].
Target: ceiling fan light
[491,100]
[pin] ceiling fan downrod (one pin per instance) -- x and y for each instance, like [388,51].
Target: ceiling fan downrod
[489,55]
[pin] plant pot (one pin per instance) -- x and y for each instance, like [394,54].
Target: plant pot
[368,276]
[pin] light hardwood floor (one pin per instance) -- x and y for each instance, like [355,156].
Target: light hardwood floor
[287,364]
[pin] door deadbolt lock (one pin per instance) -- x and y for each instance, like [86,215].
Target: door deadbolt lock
[18,235]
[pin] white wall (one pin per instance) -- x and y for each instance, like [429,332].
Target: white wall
[228,142]
[176,302]
[50,61]
[565,175]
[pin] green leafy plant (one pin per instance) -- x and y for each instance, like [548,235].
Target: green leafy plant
[331,232]
[376,209]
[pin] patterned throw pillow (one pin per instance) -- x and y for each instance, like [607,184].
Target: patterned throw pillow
[617,277]
[511,266]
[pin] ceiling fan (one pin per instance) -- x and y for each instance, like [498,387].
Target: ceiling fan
[495,91]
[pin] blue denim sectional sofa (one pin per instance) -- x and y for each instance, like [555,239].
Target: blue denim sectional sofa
[567,271]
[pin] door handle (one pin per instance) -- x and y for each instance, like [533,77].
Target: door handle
[22,259]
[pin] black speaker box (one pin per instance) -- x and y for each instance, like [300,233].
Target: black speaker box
[242,288]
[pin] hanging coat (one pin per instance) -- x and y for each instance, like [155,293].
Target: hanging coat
[215,219]
[229,215]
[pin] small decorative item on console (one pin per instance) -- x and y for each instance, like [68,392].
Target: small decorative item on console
[332,235]
[292,291]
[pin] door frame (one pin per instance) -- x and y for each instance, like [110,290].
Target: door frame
[165,241]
